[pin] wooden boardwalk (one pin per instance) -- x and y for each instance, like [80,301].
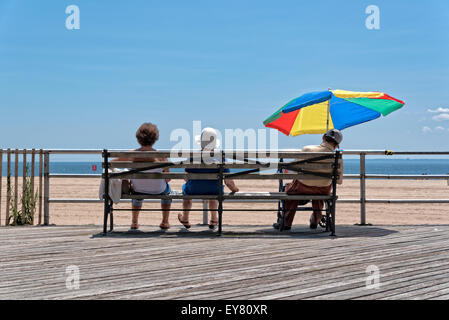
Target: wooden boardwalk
[249,262]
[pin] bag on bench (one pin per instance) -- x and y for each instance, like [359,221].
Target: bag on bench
[117,187]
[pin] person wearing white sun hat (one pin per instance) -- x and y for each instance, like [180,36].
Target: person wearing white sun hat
[208,139]
[208,142]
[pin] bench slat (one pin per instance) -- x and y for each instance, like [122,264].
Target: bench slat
[214,176]
[137,165]
[236,196]
[231,154]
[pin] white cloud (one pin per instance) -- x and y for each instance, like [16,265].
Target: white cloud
[426,129]
[439,129]
[441,117]
[438,110]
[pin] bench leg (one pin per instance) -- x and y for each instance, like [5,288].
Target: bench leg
[279,211]
[111,212]
[333,218]
[220,216]
[328,211]
[282,224]
[106,213]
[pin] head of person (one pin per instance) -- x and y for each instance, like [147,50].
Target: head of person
[208,139]
[334,137]
[147,134]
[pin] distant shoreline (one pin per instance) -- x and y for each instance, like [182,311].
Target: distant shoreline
[351,166]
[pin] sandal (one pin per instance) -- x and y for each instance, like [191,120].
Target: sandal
[186,224]
[212,224]
[164,226]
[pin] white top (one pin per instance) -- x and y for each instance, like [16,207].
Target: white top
[149,186]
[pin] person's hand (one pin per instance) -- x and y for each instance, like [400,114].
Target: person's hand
[235,189]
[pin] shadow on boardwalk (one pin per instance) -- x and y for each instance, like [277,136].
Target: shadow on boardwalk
[251,231]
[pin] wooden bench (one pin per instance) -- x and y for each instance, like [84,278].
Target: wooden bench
[244,165]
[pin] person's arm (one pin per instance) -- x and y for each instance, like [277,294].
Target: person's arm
[121,159]
[166,169]
[340,172]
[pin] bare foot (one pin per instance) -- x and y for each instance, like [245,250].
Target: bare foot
[164,225]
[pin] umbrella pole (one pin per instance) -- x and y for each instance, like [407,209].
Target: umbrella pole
[328,111]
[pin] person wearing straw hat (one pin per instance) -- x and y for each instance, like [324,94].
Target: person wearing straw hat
[208,142]
[331,141]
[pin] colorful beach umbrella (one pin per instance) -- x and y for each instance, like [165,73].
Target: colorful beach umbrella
[317,112]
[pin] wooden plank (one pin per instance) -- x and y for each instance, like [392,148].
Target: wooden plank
[422,289]
[315,286]
[229,154]
[8,187]
[234,196]
[214,176]
[41,159]
[137,165]
[33,163]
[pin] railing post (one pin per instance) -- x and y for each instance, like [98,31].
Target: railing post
[1,176]
[106,190]
[41,154]
[24,185]
[220,194]
[16,180]
[362,189]
[205,213]
[46,188]
[33,204]
[8,187]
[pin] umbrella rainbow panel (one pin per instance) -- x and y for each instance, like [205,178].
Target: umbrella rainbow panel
[346,109]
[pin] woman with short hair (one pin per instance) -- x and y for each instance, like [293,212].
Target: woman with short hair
[147,135]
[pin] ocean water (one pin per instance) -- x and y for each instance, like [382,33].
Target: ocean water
[351,166]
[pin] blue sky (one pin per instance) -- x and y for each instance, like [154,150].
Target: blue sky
[230,64]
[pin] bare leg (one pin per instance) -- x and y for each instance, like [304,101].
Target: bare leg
[213,206]
[165,214]
[135,217]
[186,206]
[184,217]
[317,206]
[290,211]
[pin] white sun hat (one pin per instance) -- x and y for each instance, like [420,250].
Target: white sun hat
[208,139]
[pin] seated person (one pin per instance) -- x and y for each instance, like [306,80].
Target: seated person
[331,141]
[147,135]
[208,140]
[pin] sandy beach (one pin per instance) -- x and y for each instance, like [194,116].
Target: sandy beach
[394,214]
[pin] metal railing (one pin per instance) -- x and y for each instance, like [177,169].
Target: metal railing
[46,200]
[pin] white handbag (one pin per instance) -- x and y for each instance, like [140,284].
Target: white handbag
[115,188]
